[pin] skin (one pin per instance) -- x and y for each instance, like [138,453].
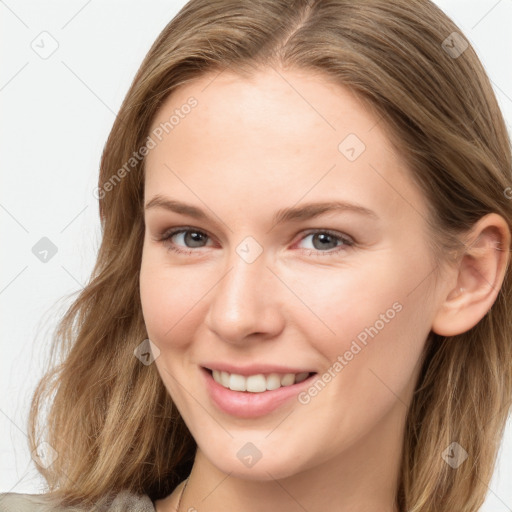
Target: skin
[249,148]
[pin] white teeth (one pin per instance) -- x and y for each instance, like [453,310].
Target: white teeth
[237,382]
[273,381]
[257,383]
[224,378]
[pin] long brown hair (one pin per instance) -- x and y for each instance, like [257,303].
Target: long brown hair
[110,420]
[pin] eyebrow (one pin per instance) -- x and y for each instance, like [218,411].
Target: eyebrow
[290,214]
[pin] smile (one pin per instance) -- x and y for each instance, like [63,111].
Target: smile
[253,404]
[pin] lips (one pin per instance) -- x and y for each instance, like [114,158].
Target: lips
[245,404]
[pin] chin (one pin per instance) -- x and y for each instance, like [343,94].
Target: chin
[268,467]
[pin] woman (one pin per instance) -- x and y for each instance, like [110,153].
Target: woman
[300,300]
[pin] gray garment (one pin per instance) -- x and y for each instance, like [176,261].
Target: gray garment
[125,501]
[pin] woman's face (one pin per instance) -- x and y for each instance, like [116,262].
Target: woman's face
[301,246]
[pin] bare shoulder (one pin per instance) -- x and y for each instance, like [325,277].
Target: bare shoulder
[125,500]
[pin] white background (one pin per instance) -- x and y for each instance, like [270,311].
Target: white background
[56,116]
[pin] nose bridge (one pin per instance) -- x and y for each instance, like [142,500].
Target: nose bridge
[242,302]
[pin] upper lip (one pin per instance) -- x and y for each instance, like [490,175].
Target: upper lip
[254,369]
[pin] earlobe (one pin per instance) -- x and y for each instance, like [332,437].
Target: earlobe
[479,275]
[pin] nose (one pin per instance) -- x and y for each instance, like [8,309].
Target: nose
[246,302]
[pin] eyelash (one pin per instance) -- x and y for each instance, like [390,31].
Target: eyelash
[346,242]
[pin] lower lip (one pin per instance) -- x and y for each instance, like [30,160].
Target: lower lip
[245,404]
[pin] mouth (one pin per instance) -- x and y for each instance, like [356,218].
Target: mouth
[245,403]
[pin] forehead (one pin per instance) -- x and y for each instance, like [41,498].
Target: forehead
[294,130]
[267,101]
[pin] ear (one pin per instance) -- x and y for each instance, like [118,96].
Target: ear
[479,274]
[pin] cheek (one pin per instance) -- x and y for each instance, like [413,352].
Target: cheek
[341,302]
[374,316]
[371,360]
[171,299]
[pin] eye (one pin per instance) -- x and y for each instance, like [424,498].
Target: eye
[181,240]
[184,240]
[323,241]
